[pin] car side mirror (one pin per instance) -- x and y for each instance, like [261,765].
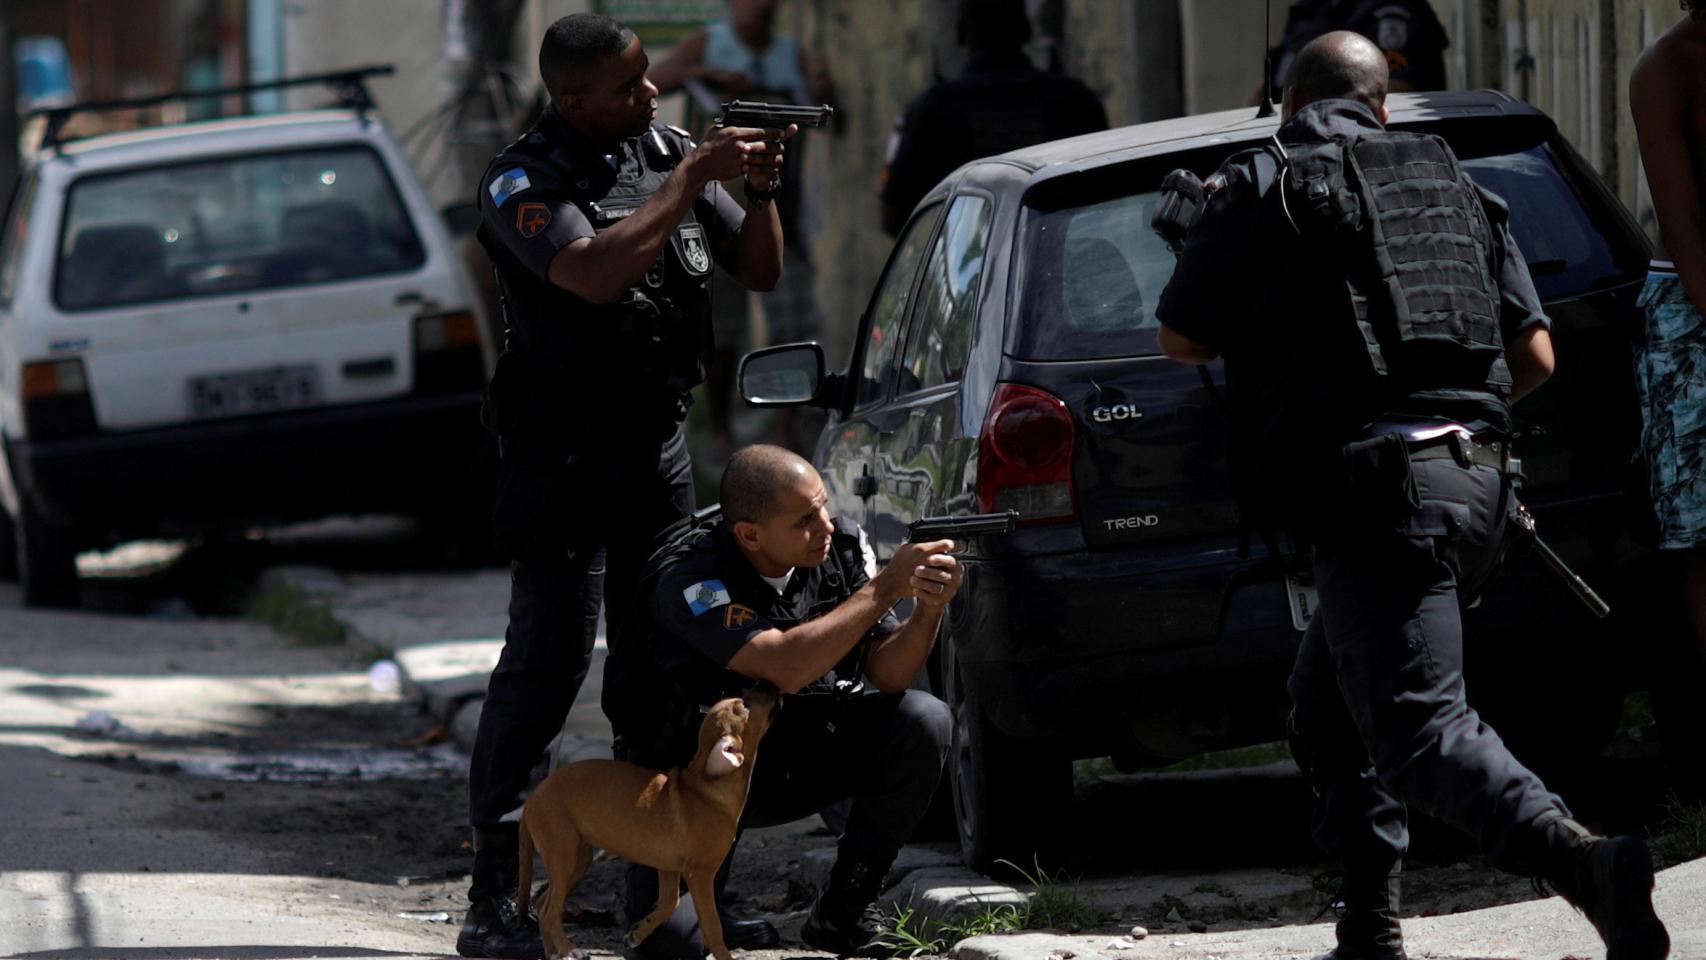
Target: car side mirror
[461,218]
[787,375]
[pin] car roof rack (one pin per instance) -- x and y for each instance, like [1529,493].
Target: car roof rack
[349,85]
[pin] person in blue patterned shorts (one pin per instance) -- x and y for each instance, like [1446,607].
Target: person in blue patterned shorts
[1667,95]
[1668,99]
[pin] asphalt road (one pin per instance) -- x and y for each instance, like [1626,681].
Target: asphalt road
[236,792]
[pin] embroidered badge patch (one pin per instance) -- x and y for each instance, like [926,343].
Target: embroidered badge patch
[1392,28]
[508,184]
[738,616]
[532,217]
[706,595]
[693,248]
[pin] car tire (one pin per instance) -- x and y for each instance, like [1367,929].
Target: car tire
[47,559]
[1012,795]
[8,548]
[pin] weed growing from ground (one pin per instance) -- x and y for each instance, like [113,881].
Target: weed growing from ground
[1683,834]
[1055,903]
[292,612]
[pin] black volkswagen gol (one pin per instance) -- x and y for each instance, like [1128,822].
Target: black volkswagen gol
[1008,359]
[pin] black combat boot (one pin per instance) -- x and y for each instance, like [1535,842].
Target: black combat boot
[1610,880]
[748,934]
[845,919]
[1368,925]
[493,927]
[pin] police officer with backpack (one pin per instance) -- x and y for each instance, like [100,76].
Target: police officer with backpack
[1374,414]
[603,227]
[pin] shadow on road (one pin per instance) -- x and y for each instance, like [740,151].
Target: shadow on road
[205,578]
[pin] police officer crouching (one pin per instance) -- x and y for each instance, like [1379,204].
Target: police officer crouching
[776,590]
[1375,413]
[603,227]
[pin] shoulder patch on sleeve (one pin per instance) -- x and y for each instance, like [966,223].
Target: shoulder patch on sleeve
[507,184]
[531,218]
[706,595]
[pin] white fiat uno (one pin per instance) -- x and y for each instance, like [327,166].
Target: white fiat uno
[213,325]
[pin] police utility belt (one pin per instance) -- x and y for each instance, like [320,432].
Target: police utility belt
[1454,442]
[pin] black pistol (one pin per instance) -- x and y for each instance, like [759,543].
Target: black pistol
[773,116]
[961,528]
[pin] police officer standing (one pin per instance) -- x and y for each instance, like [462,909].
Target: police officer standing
[1376,413]
[602,226]
[776,590]
[1408,32]
[1000,102]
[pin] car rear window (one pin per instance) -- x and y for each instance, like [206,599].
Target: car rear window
[1566,252]
[1094,271]
[230,225]
[1093,276]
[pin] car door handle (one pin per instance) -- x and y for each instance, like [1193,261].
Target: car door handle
[371,367]
[407,297]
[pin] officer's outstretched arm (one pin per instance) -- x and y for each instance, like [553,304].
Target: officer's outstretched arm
[1179,347]
[898,657]
[795,657]
[1529,355]
[600,269]
[758,246]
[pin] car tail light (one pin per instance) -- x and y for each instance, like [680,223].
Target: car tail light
[56,400]
[1025,455]
[447,353]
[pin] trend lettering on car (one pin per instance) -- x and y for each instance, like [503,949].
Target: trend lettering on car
[1132,523]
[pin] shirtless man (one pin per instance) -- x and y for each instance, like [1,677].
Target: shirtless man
[1667,94]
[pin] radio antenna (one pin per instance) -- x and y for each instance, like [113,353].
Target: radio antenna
[1267,107]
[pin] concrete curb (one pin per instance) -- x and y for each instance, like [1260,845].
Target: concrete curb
[444,654]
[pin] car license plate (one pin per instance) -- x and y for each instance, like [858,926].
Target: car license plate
[1303,600]
[255,391]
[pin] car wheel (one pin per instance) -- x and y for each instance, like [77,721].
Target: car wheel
[8,548]
[1011,795]
[47,560]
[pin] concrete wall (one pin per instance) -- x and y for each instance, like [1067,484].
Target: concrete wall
[1570,58]
[317,36]
[322,35]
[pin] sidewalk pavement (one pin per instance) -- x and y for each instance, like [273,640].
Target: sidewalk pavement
[445,630]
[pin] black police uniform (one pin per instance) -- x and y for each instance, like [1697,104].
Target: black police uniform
[1402,530]
[1000,103]
[830,741]
[588,402]
[1407,31]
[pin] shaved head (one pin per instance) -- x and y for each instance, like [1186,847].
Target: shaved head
[755,478]
[1337,66]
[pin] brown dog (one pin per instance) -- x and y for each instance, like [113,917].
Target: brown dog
[680,821]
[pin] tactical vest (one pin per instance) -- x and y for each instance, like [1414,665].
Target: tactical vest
[576,375]
[1407,222]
